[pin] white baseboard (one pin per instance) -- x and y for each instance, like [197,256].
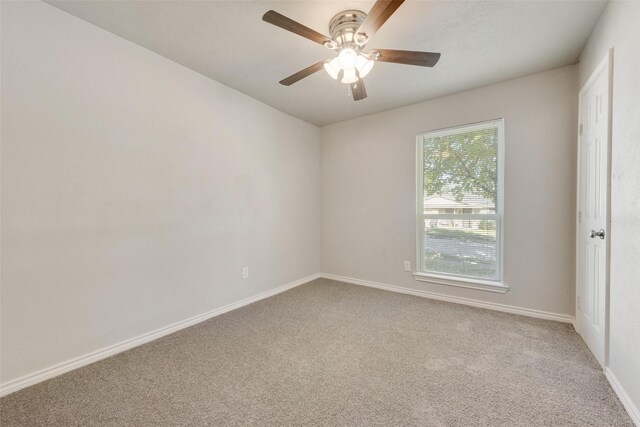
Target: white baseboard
[632,410]
[565,318]
[59,369]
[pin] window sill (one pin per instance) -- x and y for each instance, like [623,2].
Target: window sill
[462,282]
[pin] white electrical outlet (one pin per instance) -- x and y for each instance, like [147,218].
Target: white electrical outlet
[245,272]
[407,266]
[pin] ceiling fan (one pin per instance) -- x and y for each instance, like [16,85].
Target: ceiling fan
[350,32]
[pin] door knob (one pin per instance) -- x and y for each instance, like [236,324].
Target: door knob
[595,233]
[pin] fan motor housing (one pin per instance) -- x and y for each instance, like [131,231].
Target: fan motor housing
[344,25]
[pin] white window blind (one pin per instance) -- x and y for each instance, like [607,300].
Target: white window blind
[460,206]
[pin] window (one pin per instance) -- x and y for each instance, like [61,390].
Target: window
[460,199]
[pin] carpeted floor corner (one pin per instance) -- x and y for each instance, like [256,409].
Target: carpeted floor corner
[328,353]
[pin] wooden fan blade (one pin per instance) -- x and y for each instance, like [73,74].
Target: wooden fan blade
[378,15]
[409,57]
[273,17]
[358,90]
[302,74]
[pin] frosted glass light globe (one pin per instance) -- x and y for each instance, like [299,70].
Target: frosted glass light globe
[333,68]
[349,76]
[363,65]
[347,58]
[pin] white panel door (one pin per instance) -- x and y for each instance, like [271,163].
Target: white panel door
[592,229]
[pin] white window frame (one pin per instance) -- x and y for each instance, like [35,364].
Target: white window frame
[491,285]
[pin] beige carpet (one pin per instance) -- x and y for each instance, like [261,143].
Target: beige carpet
[328,353]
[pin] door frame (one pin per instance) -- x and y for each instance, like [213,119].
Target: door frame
[605,65]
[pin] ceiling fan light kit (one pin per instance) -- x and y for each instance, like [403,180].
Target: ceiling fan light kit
[350,31]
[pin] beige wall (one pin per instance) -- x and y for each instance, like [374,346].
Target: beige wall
[134,190]
[619,28]
[368,189]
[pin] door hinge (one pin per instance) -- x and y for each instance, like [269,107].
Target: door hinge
[578,302]
[580,130]
[579,217]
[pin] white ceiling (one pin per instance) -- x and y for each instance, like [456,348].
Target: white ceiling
[481,42]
